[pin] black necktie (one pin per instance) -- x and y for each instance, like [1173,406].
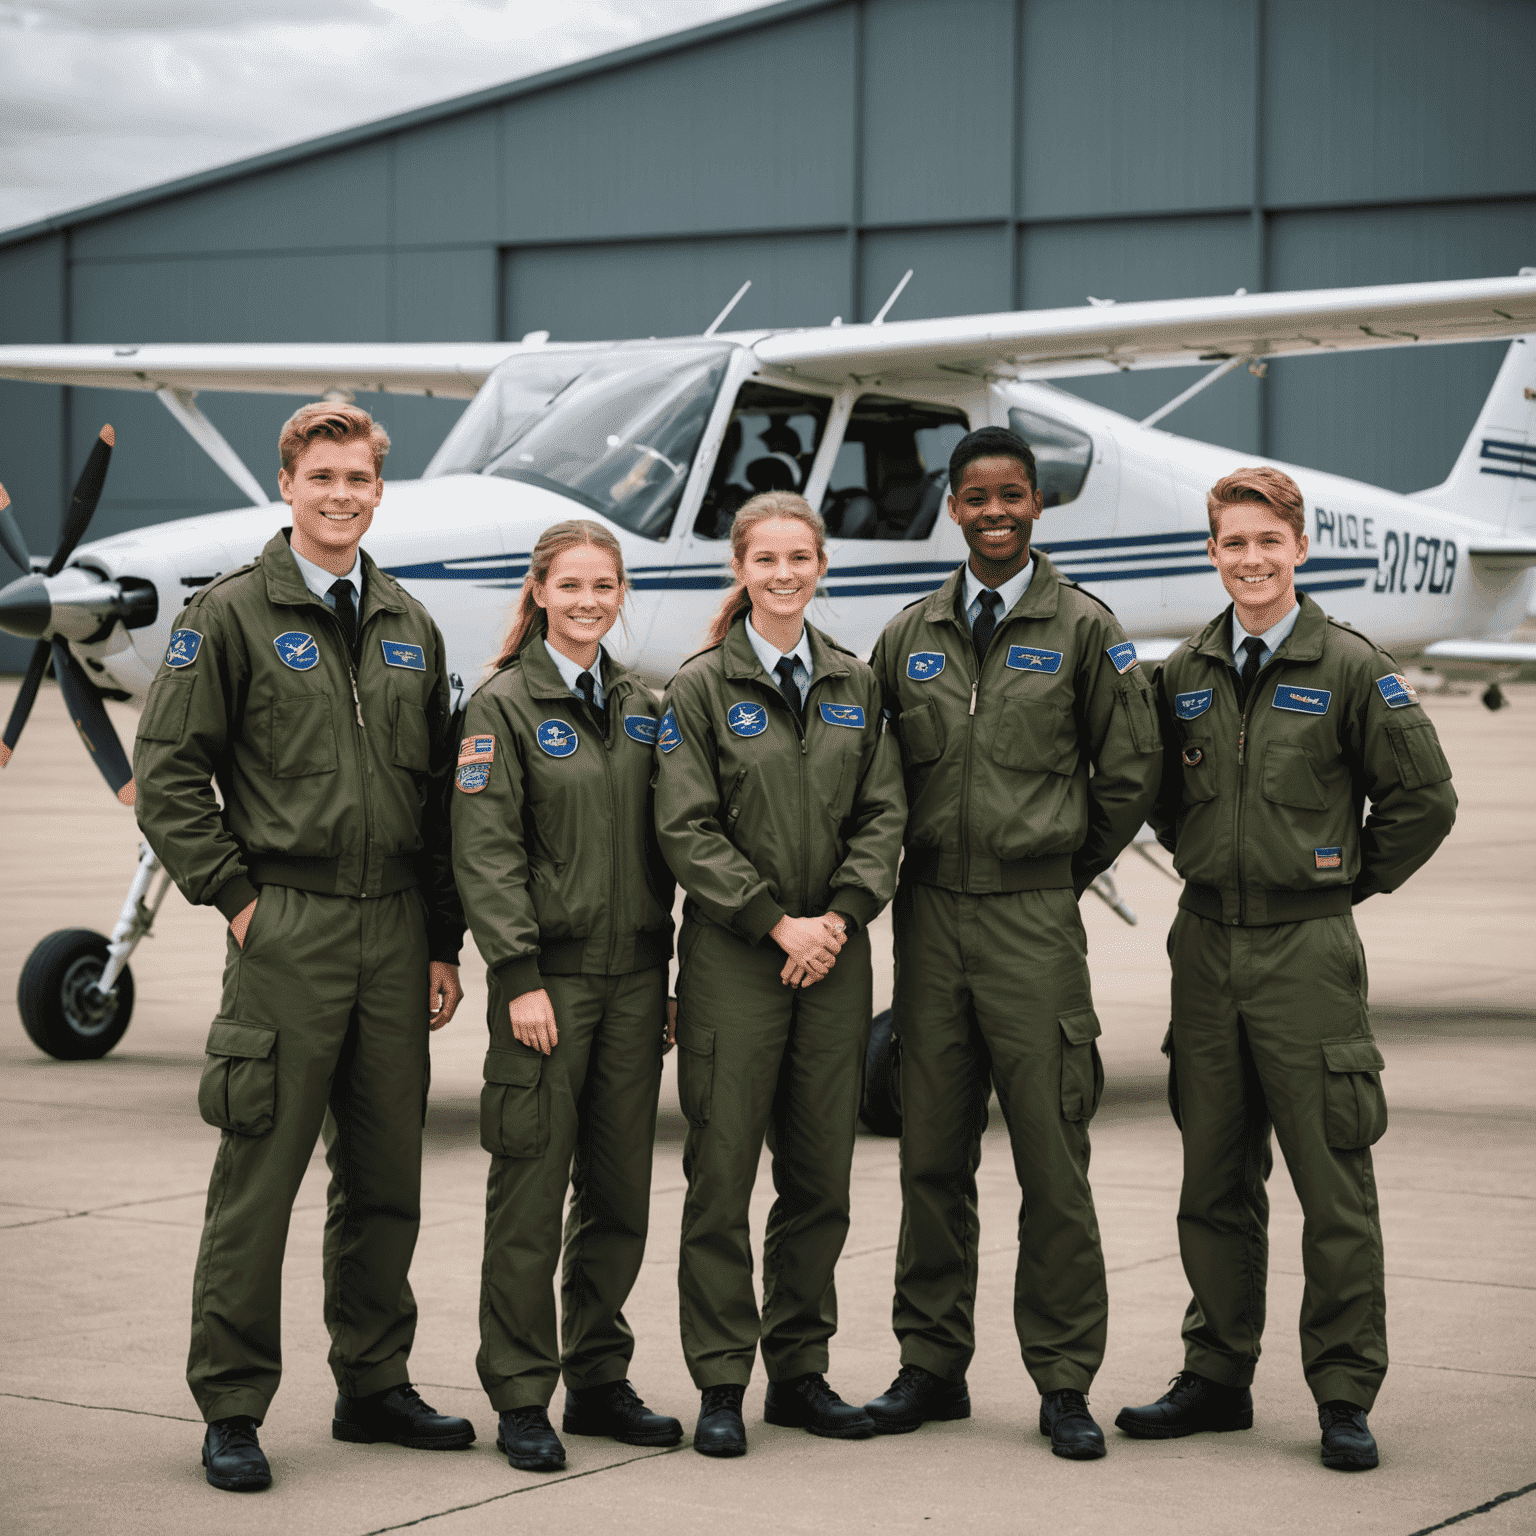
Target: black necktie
[986,622]
[346,610]
[588,685]
[1255,649]
[785,667]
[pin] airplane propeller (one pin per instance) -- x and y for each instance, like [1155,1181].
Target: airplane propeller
[26,607]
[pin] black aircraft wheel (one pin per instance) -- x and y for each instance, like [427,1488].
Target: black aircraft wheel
[1493,697]
[59,1004]
[881,1109]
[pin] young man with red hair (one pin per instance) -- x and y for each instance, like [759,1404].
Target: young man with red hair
[1279,725]
[312,689]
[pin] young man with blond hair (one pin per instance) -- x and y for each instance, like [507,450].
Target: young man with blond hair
[1280,724]
[311,688]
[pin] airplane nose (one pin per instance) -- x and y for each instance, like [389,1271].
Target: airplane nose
[25,607]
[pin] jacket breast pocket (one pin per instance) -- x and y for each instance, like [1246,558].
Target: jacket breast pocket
[696,1073]
[514,1115]
[921,736]
[1082,1072]
[1353,1103]
[1290,779]
[238,1090]
[303,736]
[413,744]
[1035,737]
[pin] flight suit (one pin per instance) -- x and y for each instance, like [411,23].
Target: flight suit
[1006,829]
[762,815]
[1261,808]
[332,766]
[565,890]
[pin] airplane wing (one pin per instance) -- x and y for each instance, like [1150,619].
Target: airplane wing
[452,370]
[1105,337]
[1513,653]
[1504,554]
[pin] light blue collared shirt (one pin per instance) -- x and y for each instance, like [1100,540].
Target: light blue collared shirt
[320,581]
[1010,592]
[799,652]
[569,672]
[1273,637]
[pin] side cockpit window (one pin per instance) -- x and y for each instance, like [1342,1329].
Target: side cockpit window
[889,478]
[769,445]
[1063,455]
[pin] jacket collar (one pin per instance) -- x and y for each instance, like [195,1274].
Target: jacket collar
[543,676]
[1041,597]
[1304,643]
[286,586]
[741,660]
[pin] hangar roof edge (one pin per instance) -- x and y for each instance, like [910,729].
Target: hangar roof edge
[525,85]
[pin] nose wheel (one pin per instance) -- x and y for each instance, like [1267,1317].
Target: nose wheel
[62,1008]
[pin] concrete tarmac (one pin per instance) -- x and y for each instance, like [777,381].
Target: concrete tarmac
[104,1166]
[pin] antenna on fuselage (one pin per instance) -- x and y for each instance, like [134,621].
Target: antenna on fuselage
[714,325]
[885,308]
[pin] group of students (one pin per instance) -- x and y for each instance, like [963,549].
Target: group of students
[997,752]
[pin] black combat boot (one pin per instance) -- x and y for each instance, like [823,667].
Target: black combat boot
[234,1460]
[1192,1403]
[807,1402]
[1065,1418]
[720,1431]
[615,1410]
[529,1440]
[915,1397]
[399,1415]
[1348,1446]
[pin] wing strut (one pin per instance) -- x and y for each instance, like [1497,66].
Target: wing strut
[1203,382]
[182,404]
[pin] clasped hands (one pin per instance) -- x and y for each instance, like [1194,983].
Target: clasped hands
[812,944]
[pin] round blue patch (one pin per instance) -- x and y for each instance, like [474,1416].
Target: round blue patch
[747,719]
[183,649]
[297,650]
[556,738]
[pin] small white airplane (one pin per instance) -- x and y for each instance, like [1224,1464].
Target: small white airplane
[662,440]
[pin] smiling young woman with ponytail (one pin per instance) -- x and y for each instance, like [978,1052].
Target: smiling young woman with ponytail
[779,807]
[570,905]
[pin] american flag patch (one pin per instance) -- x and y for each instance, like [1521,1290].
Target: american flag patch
[1328,858]
[477,749]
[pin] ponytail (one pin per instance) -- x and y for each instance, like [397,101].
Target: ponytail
[761,509]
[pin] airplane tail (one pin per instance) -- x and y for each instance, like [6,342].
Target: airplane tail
[1495,475]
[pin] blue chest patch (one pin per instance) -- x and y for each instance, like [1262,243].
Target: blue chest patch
[397,653]
[1304,701]
[747,719]
[851,715]
[1395,689]
[641,728]
[924,666]
[1030,658]
[556,738]
[668,736]
[297,650]
[183,649]
[1189,706]
[1123,656]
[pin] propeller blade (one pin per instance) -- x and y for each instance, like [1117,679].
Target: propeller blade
[10,535]
[90,717]
[82,505]
[25,699]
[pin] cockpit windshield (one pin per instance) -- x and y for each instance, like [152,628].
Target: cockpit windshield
[614,430]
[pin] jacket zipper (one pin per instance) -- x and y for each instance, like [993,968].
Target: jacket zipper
[965,786]
[613,841]
[362,743]
[805,812]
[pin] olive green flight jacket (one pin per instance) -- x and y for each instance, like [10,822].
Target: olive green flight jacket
[761,815]
[997,761]
[1262,806]
[333,770]
[554,839]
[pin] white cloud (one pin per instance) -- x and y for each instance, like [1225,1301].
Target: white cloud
[99,97]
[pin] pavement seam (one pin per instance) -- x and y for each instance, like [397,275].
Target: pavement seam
[1481,1509]
[495,1498]
[143,1413]
[1492,1285]
[1464,1370]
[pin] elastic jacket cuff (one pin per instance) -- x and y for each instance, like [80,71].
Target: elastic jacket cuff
[234,897]
[758,917]
[515,977]
[857,905]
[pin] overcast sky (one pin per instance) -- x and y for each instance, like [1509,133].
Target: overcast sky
[98,97]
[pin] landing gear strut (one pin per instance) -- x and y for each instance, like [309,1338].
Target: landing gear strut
[75,995]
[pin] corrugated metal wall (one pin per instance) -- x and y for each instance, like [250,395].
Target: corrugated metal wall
[1013,152]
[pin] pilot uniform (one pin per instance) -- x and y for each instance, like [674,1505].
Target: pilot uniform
[1007,828]
[765,809]
[331,760]
[1261,808]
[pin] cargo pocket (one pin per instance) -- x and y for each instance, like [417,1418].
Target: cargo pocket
[1420,761]
[238,1091]
[1141,715]
[1354,1105]
[696,1073]
[513,1119]
[1173,1081]
[1082,1073]
[165,715]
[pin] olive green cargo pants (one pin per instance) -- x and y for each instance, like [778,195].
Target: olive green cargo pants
[758,1059]
[1270,1027]
[584,1116]
[997,985]
[324,1009]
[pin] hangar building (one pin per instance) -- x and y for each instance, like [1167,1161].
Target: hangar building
[1014,153]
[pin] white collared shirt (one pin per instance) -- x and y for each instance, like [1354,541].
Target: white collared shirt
[320,581]
[1273,637]
[569,671]
[1010,592]
[771,656]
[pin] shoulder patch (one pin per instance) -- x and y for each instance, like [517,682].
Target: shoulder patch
[668,736]
[641,728]
[851,715]
[472,779]
[1395,689]
[183,648]
[477,749]
[1123,655]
